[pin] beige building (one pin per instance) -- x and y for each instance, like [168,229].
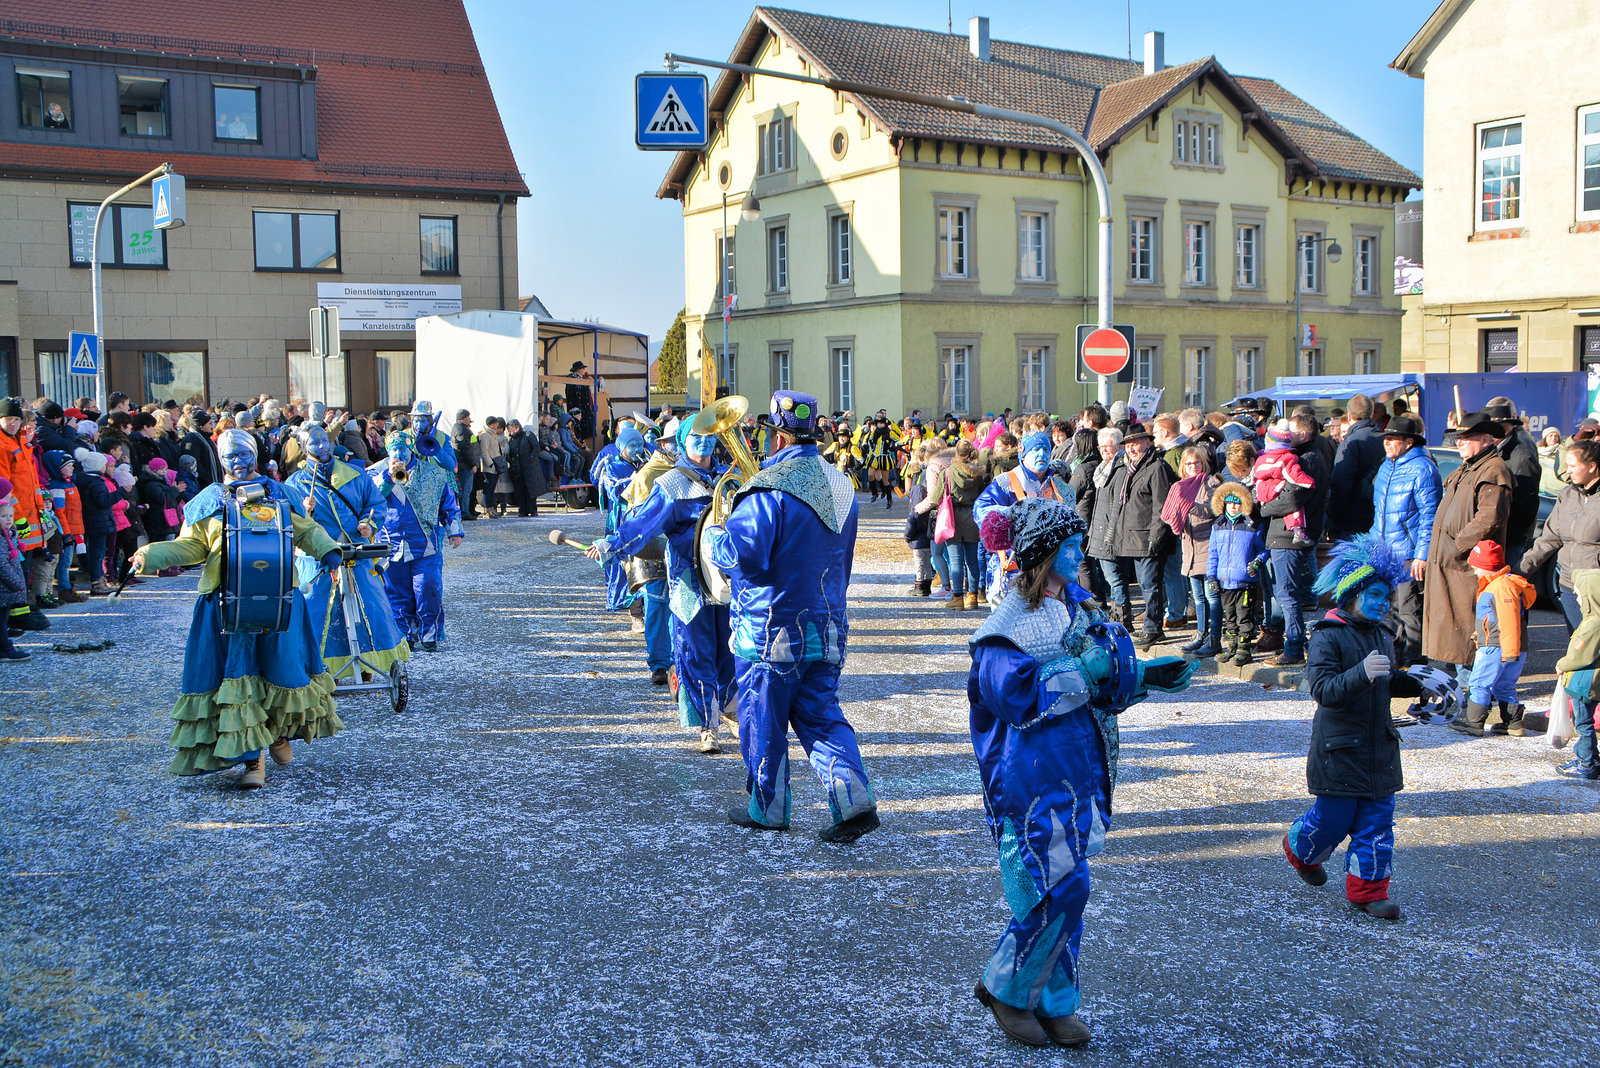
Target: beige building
[1511,154]
[302,190]
[905,257]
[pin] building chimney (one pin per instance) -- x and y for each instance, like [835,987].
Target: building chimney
[978,37]
[1155,51]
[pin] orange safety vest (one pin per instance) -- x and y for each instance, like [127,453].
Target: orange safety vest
[1049,493]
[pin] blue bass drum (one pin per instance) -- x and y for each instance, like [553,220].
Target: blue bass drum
[257,589]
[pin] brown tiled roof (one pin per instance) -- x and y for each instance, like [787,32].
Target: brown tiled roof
[1099,95]
[403,101]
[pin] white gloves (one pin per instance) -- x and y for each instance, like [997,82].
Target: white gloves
[1376,666]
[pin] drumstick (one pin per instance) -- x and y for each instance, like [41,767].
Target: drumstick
[557,537]
[122,582]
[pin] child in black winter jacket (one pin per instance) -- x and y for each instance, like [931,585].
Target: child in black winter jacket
[1354,764]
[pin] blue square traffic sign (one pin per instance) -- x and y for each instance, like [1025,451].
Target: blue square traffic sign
[83,353]
[671,111]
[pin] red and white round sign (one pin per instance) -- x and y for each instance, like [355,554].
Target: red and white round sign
[1105,351]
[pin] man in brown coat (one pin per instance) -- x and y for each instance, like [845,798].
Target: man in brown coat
[1474,506]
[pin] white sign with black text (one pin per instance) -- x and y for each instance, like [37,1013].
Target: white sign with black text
[386,309]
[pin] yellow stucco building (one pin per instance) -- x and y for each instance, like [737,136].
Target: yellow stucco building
[907,258]
[1511,149]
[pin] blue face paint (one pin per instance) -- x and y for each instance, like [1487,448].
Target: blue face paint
[401,453]
[317,445]
[237,451]
[1373,602]
[1069,558]
[1037,460]
[700,446]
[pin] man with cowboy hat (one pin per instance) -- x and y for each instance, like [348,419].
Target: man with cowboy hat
[788,547]
[1405,499]
[1521,454]
[1473,506]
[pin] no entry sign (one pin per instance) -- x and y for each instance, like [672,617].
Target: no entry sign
[1104,351]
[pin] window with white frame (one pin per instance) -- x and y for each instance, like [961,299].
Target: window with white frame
[839,250]
[1196,253]
[1032,246]
[1246,369]
[955,367]
[1180,144]
[1311,362]
[1366,266]
[1141,249]
[1031,398]
[1246,249]
[1366,361]
[1589,162]
[1211,144]
[844,376]
[776,141]
[1194,142]
[1144,365]
[728,368]
[782,369]
[1499,174]
[953,223]
[725,266]
[1196,375]
[1310,260]
[778,259]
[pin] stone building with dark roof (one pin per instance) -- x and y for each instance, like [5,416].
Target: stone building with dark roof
[331,157]
[909,257]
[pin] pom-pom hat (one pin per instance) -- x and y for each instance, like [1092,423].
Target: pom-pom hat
[1032,530]
[1280,435]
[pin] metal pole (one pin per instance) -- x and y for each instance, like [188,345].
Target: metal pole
[1299,265]
[94,283]
[1102,187]
[727,290]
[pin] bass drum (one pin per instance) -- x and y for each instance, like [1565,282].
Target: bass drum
[715,587]
[257,591]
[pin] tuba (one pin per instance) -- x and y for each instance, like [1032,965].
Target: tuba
[722,419]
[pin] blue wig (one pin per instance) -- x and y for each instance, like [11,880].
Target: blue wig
[1357,564]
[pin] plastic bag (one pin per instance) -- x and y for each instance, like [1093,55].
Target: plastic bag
[945,529]
[1561,729]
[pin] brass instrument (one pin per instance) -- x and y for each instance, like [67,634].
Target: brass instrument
[721,418]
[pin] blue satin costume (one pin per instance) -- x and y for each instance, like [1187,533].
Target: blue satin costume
[699,631]
[611,474]
[1047,754]
[414,579]
[345,498]
[789,548]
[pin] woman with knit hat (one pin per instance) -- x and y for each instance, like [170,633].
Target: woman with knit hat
[1049,675]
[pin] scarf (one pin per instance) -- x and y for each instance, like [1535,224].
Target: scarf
[1180,501]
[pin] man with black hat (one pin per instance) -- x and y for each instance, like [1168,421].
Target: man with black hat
[52,432]
[196,442]
[1241,424]
[1142,537]
[1521,454]
[1473,506]
[789,547]
[465,444]
[1405,499]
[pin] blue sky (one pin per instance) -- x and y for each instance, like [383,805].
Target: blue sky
[596,243]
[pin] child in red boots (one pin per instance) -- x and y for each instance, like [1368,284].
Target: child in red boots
[1354,764]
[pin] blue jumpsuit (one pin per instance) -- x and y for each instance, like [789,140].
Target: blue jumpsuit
[342,505]
[414,579]
[1046,752]
[611,474]
[789,547]
[699,630]
[1001,494]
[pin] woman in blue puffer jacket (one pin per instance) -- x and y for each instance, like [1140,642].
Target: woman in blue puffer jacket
[1405,495]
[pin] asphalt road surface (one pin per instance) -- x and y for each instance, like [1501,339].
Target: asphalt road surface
[531,866]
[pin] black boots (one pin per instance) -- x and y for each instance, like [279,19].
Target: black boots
[1230,645]
[920,589]
[1510,720]
[1471,720]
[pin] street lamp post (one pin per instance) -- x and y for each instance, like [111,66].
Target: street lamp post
[94,277]
[749,211]
[1335,253]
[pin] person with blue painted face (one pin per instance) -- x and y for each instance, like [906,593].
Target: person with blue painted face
[350,508]
[1032,477]
[420,514]
[243,693]
[788,549]
[1050,673]
[1353,768]
[699,630]
[430,440]
[613,469]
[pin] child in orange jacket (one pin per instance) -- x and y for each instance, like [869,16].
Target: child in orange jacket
[1501,623]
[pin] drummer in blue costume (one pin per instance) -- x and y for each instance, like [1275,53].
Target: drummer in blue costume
[348,505]
[789,547]
[611,473]
[1049,675]
[243,692]
[699,630]
[420,512]
[1032,477]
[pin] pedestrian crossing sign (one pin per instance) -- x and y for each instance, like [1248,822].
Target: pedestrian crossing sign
[83,353]
[670,111]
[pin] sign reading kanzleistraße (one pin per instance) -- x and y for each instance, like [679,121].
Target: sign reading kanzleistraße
[386,309]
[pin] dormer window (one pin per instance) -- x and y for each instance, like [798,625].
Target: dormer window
[142,106]
[238,112]
[44,99]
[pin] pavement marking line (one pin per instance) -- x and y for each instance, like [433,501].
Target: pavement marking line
[21,873]
[66,739]
[597,728]
[937,803]
[208,826]
[870,873]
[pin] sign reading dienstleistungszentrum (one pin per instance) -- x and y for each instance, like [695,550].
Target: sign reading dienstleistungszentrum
[386,309]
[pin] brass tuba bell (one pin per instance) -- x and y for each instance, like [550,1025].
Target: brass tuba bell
[722,419]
